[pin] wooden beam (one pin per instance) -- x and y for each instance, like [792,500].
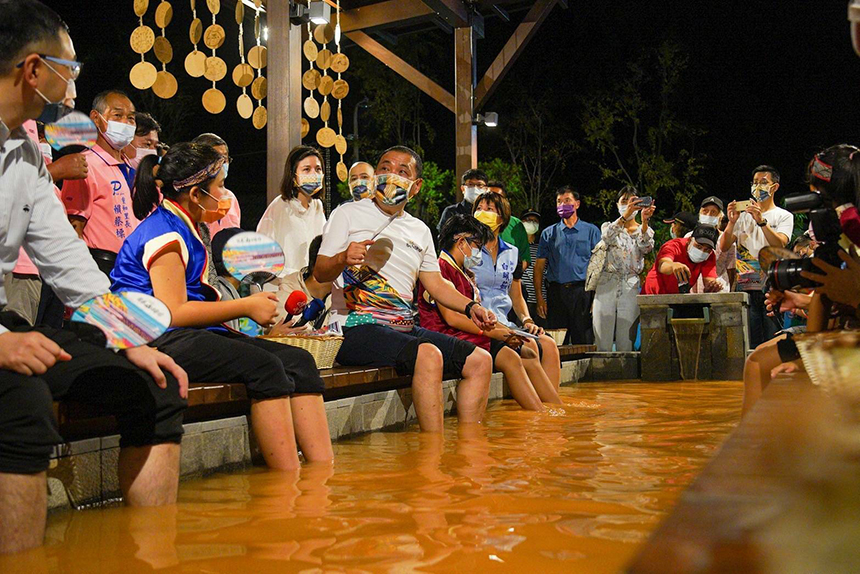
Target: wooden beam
[382,13]
[466,134]
[284,104]
[452,11]
[403,68]
[512,50]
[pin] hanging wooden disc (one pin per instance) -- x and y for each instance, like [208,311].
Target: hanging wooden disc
[216,69]
[245,106]
[257,57]
[243,75]
[163,50]
[240,12]
[342,172]
[324,59]
[340,89]
[323,34]
[325,137]
[260,88]
[312,108]
[306,127]
[310,50]
[196,31]
[325,85]
[214,5]
[340,144]
[339,117]
[258,3]
[325,111]
[140,7]
[261,116]
[311,80]
[165,85]
[339,63]
[214,101]
[195,63]
[143,75]
[142,39]
[214,36]
[163,14]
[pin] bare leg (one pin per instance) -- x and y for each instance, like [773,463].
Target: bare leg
[149,475]
[547,392]
[272,422]
[551,361]
[509,363]
[23,508]
[427,388]
[757,372]
[311,427]
[474,388]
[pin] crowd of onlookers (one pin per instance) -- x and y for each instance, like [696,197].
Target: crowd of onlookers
[132,214]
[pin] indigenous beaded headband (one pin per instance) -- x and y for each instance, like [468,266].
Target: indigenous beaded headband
[207,172]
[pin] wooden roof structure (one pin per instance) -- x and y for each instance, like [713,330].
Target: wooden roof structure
[360,21]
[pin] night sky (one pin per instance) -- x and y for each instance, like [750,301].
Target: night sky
[769,82]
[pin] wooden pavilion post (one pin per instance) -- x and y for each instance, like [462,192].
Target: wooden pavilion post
[466,137]
[285,92]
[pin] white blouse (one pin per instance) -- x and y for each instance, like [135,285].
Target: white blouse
[293,227]
[625,252]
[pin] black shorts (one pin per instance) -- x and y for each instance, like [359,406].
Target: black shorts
[496,346]
[787,349]
[379,346]
[267,369]
[146,414]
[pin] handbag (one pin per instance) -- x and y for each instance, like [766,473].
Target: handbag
[595,266]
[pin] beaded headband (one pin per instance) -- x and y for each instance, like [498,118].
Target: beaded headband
[207,172]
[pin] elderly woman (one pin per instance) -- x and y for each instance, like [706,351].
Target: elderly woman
[627,243]
[498,277]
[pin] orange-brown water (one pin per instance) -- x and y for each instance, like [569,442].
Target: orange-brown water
[577,491]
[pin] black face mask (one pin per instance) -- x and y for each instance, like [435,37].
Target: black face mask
[53,112]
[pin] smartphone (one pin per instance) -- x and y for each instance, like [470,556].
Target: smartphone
[741,206]
[645,201]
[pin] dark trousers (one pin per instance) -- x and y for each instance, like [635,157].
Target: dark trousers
[568,306]
[762,327]
[146,414]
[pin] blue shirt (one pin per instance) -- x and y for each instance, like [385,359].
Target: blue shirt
[494,281]
[567,250]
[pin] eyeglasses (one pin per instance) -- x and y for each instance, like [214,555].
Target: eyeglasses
[73,66]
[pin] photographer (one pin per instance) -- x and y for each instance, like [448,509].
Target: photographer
[834,175]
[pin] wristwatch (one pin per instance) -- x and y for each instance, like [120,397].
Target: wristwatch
[763,223]
[468,310]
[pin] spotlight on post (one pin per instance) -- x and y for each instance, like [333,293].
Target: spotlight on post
[320,12]
[489,119]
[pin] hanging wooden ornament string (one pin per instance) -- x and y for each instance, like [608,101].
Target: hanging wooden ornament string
[143,74]
[324,34]
[213,99]
[243,73]
[165,85]
[195,61]
[257,59]
[311,80]
[339,64]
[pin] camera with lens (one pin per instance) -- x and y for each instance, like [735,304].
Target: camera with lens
[784,274]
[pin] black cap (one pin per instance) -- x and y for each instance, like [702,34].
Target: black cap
[221,238]
[685,217]
[712,200]
[706,235]
[530,214]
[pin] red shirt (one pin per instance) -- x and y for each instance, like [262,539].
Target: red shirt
[431,318]
[658,284]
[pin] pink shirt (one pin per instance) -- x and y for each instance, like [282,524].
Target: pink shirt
[103,199]
[232,219]
[25,266]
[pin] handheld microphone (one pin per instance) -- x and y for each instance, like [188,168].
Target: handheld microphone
[311,312]
[296,302]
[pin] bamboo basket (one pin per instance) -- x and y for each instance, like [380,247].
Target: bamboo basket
[557,335]
[324,348]
[832,360]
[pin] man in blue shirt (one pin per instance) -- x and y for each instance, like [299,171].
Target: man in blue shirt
[564,252]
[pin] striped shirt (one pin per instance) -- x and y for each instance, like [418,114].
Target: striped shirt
[32,217]
[528,281]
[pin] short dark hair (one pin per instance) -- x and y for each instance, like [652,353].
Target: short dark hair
[22,24]
[473,174]
[289,190]
[100,101]
[567,189]
[774,173]
[501,204]
[627,190]
[145,124]
[500,185]
[458,224]
[210,139]
[419,163]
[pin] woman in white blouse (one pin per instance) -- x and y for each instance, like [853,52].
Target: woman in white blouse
[627,242]
[297,216]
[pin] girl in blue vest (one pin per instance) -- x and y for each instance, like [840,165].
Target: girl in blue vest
[165,257]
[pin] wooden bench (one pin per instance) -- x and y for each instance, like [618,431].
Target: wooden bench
[209,401]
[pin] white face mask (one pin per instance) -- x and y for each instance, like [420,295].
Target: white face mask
[696,255]
[471,193]
[622,209]
[226,167]
[118,134]
[472,260]
[531,227]
[47,150]
[711,220]
[142,152]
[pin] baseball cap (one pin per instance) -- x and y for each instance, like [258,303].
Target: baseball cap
[530,214]
[706,235]
[685,217]
[712,200]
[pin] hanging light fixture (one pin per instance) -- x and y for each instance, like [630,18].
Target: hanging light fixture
[319,12]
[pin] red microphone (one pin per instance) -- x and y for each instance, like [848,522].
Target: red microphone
[296,302]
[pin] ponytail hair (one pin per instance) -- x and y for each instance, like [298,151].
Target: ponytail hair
[184,166]
[835,172]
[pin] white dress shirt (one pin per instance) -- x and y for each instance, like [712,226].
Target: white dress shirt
[293,227]
[32,217]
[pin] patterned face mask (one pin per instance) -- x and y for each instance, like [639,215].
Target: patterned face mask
[361,188]
[393,189]
[310,183]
